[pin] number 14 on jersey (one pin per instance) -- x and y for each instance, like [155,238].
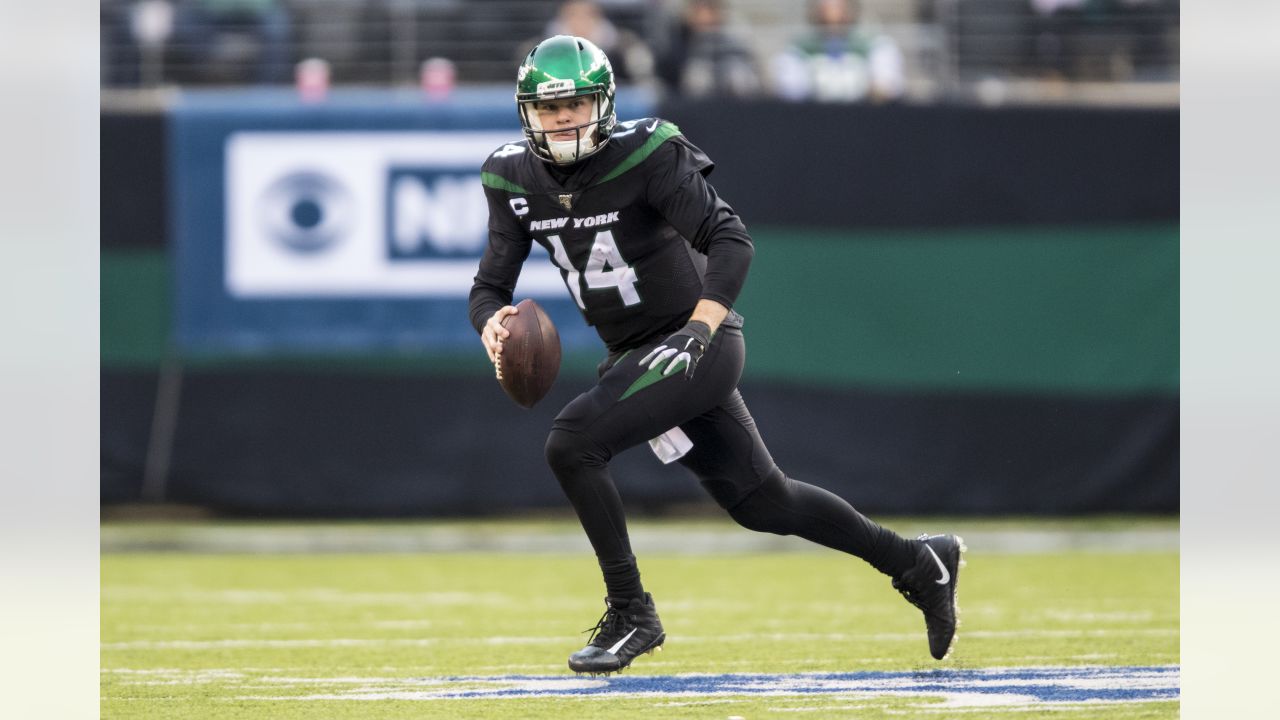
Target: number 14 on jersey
[605,269]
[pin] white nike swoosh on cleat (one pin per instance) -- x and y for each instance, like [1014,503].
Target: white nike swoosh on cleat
[946,576]
[618,646]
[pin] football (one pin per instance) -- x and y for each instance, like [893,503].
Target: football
[530,357]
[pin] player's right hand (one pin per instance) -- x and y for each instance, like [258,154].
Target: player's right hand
[493,333]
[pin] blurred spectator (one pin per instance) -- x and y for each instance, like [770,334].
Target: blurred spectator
[704,59]
[1149,23]
[1103,39]
[135,37]
[231,41]
[631,58]
[839,60]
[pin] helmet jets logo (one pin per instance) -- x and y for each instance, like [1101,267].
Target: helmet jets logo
[556,88]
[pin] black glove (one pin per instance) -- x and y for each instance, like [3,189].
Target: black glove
[682,350]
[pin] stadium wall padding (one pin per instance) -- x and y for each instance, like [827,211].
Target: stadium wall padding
[325,443]
[839,166]
[134,180]
[895,166]
[1004,283]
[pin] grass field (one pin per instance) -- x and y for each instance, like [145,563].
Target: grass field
[779,633]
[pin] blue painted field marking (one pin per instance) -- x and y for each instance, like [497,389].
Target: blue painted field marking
[1020,685]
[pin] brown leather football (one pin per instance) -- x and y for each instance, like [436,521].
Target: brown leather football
[530,357]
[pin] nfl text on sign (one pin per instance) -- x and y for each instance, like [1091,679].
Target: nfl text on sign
[530,357]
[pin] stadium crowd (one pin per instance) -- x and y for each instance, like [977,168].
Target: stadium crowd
[824,50]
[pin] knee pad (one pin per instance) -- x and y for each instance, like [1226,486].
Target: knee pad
[759,510]
[566,450]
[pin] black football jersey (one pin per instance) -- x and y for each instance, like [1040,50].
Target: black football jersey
[630,229]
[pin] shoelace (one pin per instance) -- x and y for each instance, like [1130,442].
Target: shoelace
[913,596]
[607,623]
[910,594]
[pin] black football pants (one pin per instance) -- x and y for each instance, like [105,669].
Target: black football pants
[728,457]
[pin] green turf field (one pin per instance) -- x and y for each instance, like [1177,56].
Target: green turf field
[394,634]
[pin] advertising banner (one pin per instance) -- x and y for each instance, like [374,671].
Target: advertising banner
[350,226]
[360,214]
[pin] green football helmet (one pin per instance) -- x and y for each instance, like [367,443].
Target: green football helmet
[565,66]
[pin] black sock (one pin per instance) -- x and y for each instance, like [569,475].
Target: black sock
[622,578]
[788,507]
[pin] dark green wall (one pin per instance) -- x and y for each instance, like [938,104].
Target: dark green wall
[134,307]
[1053,310]
[1074,310]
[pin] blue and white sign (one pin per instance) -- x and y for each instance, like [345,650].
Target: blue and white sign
[355,225]
[360,214]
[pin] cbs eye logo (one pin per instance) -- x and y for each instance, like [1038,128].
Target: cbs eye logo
[306,212]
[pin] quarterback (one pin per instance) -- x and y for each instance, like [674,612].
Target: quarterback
[654,260]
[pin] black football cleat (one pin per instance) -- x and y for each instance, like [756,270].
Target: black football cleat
[931,586]
[627,628]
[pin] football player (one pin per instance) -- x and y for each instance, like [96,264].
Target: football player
[654,260]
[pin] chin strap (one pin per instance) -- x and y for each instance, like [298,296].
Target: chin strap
[574,149]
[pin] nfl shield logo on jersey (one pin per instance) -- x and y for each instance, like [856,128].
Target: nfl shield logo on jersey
[567,201]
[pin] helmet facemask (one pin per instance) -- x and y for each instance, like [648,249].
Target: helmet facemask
[560,68]
[587,135]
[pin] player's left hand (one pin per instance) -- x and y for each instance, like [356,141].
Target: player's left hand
[681,351]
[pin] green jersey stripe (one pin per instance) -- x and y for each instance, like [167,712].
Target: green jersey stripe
[663,133]
[498,182]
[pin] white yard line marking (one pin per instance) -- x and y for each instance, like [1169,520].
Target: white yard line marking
[218,644]
[326,596]
[262,643]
